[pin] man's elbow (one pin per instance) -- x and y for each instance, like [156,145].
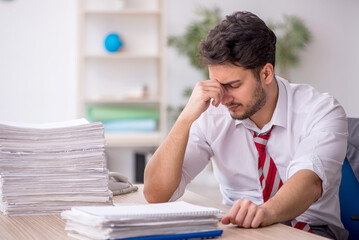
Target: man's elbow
[318,186]
[153,195]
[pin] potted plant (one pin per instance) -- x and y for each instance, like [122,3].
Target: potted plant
[292,38]
[187,44]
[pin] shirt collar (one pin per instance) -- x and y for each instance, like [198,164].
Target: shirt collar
[279,117]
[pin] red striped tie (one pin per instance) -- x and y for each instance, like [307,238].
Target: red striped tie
[268,175]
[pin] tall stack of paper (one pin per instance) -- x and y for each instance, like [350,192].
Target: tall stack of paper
[174,220]
[52,167]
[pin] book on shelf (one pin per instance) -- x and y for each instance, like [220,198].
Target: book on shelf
[131,125]
[48,168]
[109,113]
[152,221]
[120,119]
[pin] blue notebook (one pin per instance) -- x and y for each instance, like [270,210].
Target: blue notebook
[202,235]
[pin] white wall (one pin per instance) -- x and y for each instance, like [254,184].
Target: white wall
[329,63]
[37,60]
[38,52]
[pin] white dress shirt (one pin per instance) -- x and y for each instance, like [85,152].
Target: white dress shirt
[310,132]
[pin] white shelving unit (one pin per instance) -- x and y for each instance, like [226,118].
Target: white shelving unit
[107,79]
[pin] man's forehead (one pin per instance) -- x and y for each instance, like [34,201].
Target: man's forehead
[226,74]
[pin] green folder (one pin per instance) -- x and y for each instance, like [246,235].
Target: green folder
[105,113]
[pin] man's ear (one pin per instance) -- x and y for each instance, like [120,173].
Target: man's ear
[267,73]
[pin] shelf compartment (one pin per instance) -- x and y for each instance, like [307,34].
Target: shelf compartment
[121,79]
[142,39]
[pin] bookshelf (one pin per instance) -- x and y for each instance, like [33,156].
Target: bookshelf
[133,77]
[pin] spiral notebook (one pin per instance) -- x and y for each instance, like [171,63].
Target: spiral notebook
[143,220]
[171,209]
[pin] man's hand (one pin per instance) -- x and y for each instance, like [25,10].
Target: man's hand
[292,199]
[201,97]
[245,213]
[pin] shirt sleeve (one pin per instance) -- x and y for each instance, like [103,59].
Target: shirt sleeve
[197,156]
[323,143]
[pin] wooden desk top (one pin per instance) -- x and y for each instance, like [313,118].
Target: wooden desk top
[44,227]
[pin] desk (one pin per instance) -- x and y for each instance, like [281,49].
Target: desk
[44,227]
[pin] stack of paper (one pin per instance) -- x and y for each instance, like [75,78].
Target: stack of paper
[176,219]
[52,167]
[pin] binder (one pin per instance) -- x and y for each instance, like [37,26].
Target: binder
[201,235]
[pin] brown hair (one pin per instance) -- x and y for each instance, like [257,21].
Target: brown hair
[242,39]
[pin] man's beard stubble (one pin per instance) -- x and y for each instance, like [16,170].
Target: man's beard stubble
[258,100]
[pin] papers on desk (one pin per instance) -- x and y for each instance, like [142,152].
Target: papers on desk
[49,168]
[134,221]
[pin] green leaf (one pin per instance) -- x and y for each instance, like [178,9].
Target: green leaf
[292,37]
[196,31]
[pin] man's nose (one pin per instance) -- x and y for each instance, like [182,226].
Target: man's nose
[226,98]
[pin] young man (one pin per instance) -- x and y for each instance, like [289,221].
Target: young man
[277,148]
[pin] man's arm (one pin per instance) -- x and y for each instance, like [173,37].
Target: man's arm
[291,200]
[164,170]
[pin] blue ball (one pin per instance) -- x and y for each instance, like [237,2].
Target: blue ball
[113,42]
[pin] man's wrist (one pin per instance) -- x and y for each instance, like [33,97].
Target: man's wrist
[271,215]
[185,119]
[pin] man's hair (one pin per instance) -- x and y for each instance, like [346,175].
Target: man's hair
[242,39]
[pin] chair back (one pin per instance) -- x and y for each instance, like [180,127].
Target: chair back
[349,200]
[349,187]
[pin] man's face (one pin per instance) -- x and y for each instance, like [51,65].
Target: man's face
[244,94]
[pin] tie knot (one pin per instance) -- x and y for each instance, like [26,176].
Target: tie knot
[262,139]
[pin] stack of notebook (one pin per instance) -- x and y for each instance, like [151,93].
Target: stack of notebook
[53,167]
[176,220]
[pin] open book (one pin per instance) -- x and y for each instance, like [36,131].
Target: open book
[127,221]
